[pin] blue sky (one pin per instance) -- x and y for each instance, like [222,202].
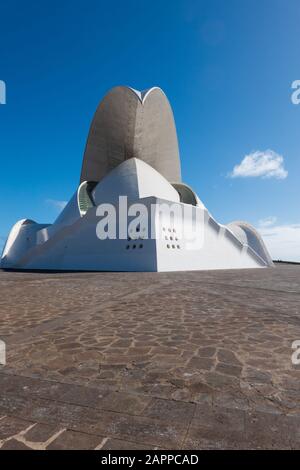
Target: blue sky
[226,66]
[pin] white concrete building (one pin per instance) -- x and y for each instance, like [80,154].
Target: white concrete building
[131,211]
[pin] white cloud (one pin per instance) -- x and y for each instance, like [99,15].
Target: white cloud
[267,222]
[264,164]
[282,241]
[60,205]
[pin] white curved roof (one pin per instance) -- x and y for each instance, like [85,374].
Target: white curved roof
[248,235]
[188,195]
[136,180]
[132,124]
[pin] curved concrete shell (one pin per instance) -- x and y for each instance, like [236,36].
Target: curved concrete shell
[162,242]
[247,235]
[131,124]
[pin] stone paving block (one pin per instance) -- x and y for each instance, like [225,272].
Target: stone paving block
[9,426]
[228,357]
[48,411]
[117,444]
[229,369]
[199,438]
[13,444]
[200,363]
[41,432]
[71,440]
[125,402]
[219,418]
[170,411]
[139,429]
[232,401]
[206,352]
[85,396]
[282,431]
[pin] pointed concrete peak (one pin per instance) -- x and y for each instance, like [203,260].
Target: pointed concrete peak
[142,95]
[137,93]
[137,163]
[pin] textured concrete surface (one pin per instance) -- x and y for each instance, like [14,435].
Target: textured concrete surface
[130,124]
[197,360]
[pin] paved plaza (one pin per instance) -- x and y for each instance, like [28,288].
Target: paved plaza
[184,360]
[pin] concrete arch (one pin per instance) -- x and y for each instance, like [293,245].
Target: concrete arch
[186,194]
[248,235]
[131,124]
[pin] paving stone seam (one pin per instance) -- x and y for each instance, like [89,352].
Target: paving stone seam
[188,428]
[61,401]
[73,429]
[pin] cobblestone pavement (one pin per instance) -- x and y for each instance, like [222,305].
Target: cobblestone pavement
[195,360]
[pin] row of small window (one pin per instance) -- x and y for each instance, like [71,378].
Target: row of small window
[171,238]
[169,229]
[133,247]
